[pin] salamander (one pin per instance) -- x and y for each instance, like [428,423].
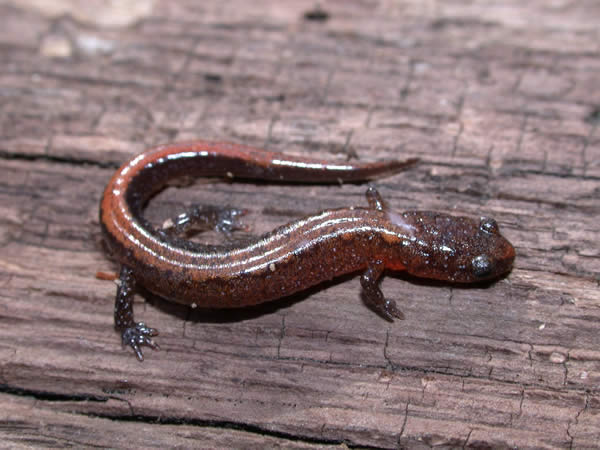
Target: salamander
[291,258]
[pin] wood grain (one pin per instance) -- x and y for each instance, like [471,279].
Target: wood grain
[502,104]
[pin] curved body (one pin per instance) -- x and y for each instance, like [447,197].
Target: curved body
[288,259]
[292,257]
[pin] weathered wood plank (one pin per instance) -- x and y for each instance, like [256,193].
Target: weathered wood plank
[27,422]
[503,113]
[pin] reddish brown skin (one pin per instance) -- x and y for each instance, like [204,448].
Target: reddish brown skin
[291,258]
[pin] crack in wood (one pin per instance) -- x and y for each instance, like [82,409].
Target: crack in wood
[50,396]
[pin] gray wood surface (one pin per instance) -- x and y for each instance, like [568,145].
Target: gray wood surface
[501,101]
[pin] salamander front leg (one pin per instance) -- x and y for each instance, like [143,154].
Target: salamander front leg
[133,334]
[373,295]
[204,218]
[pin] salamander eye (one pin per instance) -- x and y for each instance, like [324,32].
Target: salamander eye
[482,266]
[489,225]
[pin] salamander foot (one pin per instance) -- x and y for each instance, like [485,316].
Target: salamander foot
[138,336]
[374,297]
[200,218]
[389,310]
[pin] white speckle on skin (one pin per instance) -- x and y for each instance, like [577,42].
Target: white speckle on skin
[193,305]
[399,221]
[229,175]
[542,326]
[272,267]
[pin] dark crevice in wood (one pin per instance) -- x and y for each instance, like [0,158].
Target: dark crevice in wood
[451,371]
[540,201]
[57,159]
[229,425]
[50,396]
[512,166]
[594,116]
[316,15]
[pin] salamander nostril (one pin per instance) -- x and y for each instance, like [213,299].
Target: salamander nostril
[482,266]
[489,225]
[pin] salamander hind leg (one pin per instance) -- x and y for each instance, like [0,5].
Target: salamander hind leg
[374,297]
[133,334]
[203,218]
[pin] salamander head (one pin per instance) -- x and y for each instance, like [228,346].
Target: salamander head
[456,249]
